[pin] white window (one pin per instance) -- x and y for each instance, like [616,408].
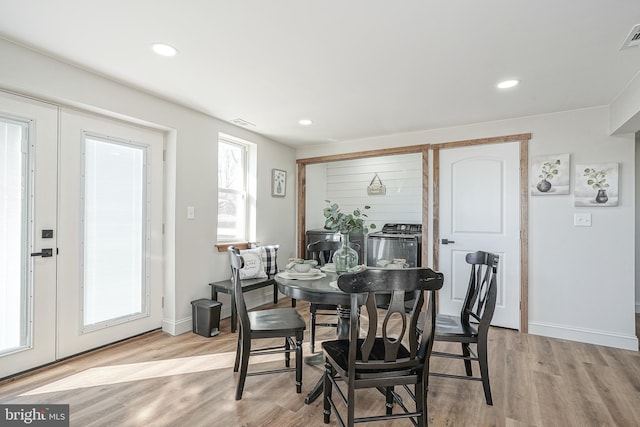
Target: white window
[236,189]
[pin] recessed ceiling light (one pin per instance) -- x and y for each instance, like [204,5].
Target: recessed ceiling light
[507,84]
[164,49]
[305,122]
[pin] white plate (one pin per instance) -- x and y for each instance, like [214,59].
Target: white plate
[334,284]
[311,275]
[312,272]
[329,268]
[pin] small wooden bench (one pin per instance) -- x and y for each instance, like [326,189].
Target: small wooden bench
[226,286]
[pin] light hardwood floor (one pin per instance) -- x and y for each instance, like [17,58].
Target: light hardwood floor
[160,380]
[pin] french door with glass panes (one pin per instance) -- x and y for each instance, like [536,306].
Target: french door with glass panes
[28,199]
[109,231]
[80,232]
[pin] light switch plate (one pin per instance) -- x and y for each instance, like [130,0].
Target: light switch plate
[191,212]
[582,220]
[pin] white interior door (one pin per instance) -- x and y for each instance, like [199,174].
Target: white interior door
[28,183]
[110,239]
[480,210]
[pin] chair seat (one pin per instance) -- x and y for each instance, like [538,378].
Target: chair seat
[278,320]
[338,350]
[451,326]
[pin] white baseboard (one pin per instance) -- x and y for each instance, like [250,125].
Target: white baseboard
[177,327]
[626,342]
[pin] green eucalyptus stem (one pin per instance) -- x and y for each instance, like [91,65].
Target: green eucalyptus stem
[340,222]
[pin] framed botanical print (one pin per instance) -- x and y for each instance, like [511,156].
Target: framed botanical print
[278,183]
[596,184]
[550,175]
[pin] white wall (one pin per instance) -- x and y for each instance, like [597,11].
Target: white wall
[581,280]
[191,259]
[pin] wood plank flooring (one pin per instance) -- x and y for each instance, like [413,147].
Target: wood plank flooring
[160,380]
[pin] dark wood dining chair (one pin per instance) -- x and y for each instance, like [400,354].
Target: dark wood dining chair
[390,353]
[471,327]
[322,251]
[273,323]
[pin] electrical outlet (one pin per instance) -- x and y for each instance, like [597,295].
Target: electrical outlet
[582,220]
[191,212]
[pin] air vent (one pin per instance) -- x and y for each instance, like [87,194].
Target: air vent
[241,122]
[633,39]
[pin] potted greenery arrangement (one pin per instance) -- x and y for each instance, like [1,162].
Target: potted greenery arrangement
[548,171]
[345,223]
[597,179]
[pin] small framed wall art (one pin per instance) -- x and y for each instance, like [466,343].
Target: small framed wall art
[550,175]
[278,183]
[596,184]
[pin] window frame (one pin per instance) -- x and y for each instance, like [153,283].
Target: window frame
[145,218]
[247,192]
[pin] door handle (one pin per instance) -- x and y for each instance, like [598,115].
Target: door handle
[447,241]
[46,253]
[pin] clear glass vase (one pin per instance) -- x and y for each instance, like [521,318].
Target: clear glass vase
[345,257]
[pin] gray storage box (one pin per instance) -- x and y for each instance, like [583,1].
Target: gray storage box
[206,317]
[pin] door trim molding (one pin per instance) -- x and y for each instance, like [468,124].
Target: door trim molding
[523,139]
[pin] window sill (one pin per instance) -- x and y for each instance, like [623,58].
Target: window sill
[222,247]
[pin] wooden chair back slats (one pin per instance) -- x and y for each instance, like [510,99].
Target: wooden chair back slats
[480,301]
[397,326]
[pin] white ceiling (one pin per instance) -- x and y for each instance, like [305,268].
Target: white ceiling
[357,68]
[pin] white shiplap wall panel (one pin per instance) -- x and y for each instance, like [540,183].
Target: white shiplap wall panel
[347,183]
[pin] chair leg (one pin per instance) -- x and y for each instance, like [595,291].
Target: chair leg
[287,355]
[328,388]
[389,400]
[351,406]
[275,293]
[244,365]
[238,352]
[421,404]
[484,370]
[293,303]
[299,363]
[312,332]
[467,362]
